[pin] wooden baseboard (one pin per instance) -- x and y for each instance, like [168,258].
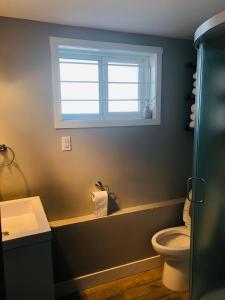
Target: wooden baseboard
[107,275]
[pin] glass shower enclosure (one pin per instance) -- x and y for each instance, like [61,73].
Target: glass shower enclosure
[208,208]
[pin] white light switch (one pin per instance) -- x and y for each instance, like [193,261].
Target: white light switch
[66,143]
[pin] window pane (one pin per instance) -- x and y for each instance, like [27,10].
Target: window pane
[123,106]
[80,107]
[122,91]
[123,73]
[79,91]
[78,72]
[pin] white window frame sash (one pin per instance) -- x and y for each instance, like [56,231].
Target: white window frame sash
[105,118]
[84,116]
[126,115]
[104,104]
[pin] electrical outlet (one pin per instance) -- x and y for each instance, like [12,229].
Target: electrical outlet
[66,143]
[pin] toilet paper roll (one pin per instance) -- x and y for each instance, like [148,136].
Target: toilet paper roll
[193,108]
[195,75]
[101,203]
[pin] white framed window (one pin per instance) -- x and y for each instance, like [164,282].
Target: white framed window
[99,84]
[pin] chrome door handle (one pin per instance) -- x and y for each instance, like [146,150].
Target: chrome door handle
[189,181]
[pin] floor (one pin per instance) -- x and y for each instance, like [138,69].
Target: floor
[143,286]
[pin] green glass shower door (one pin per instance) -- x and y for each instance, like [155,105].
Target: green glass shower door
[208,217]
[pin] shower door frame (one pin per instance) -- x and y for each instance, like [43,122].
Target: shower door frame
[206,135]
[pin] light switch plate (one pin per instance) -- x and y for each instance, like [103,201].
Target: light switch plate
[66,143]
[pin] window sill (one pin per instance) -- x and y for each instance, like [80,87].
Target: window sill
[105,123]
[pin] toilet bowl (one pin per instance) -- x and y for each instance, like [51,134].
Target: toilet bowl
[173,244]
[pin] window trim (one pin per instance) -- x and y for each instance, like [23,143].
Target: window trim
[101,47]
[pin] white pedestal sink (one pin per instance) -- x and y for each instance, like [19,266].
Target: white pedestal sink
[26,250]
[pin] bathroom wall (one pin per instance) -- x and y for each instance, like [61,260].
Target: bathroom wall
[89,247]
[140,164]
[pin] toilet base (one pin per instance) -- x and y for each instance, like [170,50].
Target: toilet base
[176,276]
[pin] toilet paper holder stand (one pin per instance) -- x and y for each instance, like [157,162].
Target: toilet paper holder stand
[102,187]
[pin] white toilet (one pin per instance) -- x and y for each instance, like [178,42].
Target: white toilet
[173,244]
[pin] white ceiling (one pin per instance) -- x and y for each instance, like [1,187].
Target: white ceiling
[173,18]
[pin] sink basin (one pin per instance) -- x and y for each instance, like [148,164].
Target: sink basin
[23,218]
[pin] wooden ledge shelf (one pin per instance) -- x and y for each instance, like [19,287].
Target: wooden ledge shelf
[128,210]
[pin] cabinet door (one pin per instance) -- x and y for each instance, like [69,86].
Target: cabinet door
[208,218]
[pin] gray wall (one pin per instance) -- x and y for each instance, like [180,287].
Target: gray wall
[89,247]
[140,164]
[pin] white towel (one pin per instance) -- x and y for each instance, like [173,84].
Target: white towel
[194,91]
[192,124]
[192,117]
[193,108]
[195,75]
[194,83]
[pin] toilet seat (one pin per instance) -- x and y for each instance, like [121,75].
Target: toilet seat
[172,241]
